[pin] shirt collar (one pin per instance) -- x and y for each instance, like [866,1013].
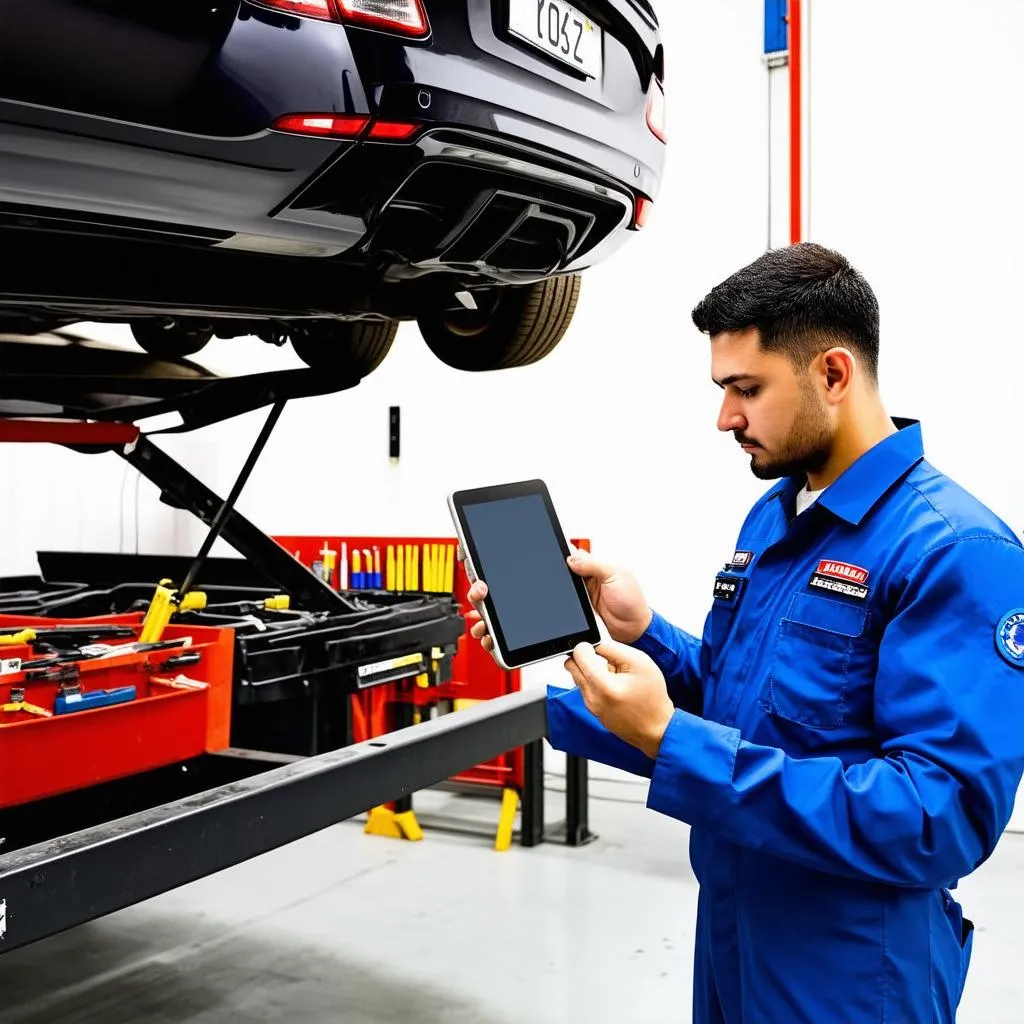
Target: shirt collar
[852,496]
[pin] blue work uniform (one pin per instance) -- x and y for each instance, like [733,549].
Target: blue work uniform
[847,744]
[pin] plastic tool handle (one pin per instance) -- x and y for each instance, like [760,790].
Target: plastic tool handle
[95,699]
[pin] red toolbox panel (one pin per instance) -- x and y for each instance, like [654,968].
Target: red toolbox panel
[475,675]
[168,721]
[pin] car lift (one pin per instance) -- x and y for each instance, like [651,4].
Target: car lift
[84,859]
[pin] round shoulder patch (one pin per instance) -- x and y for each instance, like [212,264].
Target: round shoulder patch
[1010,637]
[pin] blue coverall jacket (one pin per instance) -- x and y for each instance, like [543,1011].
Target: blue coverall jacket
[848,744]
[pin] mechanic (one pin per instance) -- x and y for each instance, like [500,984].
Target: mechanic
[845,739]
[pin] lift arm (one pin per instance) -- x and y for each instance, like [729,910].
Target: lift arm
[181,489]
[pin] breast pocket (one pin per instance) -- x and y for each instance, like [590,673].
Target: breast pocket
[821,667]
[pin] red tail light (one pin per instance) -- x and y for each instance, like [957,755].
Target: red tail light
[642,211]
[405,17]
[393,131]
[345,127]
[323,9]
[322,124]
[656,109]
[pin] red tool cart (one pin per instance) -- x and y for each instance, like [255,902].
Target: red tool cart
[177,711]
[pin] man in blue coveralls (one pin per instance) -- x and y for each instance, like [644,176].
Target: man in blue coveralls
[847,737]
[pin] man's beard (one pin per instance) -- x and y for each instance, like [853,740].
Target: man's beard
[806,450]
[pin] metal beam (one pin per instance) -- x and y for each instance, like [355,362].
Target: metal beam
[76,878]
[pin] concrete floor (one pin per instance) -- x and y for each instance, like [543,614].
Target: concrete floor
[345,927]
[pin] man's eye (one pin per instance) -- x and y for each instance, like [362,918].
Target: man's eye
[749,392]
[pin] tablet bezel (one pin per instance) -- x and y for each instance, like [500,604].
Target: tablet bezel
[553,648]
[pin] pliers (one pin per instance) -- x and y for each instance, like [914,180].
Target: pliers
[18,703]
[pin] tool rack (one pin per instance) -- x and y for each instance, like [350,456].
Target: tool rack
[76,856]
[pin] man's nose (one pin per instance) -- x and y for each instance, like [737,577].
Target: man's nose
[730,418]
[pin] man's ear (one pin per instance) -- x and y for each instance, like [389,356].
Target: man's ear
[839,366]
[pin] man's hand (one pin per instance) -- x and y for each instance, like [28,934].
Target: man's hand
[614,593]
[632,701]
[476,595]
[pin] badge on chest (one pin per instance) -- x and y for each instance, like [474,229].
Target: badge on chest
[841,578]
[730,582]
[740,560]
[728,588]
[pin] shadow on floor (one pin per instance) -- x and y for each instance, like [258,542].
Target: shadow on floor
[93,975]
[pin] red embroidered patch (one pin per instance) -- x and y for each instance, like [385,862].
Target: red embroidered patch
[843,571]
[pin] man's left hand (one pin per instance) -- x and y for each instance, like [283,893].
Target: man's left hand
[632,701]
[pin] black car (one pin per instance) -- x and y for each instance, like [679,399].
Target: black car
[316,171]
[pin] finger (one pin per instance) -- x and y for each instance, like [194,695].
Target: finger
[477,592]
[577,673]
[621,657]
[582,683]
[479,630]
[593,667]
[584,564]
[487,643]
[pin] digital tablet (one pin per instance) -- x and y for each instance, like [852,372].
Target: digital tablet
[536,606]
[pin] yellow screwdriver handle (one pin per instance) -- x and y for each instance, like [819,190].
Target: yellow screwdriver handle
[12,639]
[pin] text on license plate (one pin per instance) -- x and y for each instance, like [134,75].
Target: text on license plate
[559,29]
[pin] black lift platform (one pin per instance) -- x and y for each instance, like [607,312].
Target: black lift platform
[72,858]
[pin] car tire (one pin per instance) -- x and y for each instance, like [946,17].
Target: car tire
[345,346]
[171,341]
[519,326]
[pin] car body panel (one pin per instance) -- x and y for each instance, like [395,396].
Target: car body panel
[121,120]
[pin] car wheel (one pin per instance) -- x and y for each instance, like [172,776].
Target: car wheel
[343,346]
[169,339]
[513,326]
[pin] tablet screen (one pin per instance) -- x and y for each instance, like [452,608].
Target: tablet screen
[522,561]
[537,607]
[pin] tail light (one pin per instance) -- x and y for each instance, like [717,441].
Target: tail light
[393,131]
[656,109]
[310,8]
[345,127]
[321,124]
[641,211]
[405,17]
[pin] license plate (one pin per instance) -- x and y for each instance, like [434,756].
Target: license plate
[560,30]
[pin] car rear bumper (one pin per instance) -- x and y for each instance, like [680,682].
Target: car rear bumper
[547,168]
[472,204]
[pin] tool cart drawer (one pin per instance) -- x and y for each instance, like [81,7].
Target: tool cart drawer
[142,710]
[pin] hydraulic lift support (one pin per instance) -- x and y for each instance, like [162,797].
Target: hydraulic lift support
[133,842]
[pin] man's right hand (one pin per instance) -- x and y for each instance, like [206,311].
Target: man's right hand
[614,593]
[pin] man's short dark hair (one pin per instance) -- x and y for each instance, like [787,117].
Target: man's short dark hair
[803,299]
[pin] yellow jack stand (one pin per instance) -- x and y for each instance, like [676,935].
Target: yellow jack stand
[506,820]
[384,822]
[509,801]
